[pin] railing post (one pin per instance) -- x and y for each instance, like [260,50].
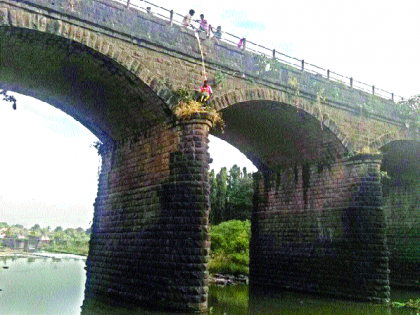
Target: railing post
[303,65]
[274,54]
[128,4]
[373,90]
[351,82]
[171,18]
[392,96]
[328,74]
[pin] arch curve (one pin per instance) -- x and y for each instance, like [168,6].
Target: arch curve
[264,94]
[99,81]
[387,138]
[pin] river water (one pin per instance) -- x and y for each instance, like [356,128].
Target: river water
[54,284]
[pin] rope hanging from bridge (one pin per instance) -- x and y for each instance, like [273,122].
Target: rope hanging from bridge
[202,56]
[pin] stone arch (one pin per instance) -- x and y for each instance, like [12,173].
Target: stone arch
[387,138]
[114,55]
[265,94]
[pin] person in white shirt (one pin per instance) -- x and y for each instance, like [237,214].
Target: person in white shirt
[187,19]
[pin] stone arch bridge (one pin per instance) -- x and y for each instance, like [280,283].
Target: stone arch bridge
[336,195]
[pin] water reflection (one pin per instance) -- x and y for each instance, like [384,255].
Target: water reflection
[240,300]
[95,307]
[55,285]
[33,286]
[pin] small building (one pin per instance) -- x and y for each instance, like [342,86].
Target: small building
[45,239]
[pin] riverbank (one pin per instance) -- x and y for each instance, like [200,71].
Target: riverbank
[7,252]
[63,251]
[227,279]
[13,252]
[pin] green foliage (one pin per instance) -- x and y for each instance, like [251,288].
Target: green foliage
[230,247]
[410,111]
[184,95]
[15,230]
[334,90]
[36,227]
[74,241]
[3,225]
[219,78]
[231,195]
[413,304]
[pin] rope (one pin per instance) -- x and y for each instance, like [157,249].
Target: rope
[202,57]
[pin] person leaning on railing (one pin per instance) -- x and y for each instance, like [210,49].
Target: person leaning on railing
[217,33]
[187,19]
[203,24]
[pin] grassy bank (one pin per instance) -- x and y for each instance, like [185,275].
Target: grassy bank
[82,249]
[230,247]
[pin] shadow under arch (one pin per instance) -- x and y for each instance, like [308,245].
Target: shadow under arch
[272,134]
[401,203]
[109,99]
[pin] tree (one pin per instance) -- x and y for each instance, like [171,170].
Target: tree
[36,230]
[14,230]
[231,195]
[221,192]
[36,227]
[80,230]
[410,111]
[3,225]
[240,195]
[71,232]
[58,229]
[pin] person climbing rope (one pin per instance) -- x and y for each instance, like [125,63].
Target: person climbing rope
[205,92]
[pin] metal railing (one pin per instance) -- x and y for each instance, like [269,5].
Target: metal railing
[298,64]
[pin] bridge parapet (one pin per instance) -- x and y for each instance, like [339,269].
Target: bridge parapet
[146,30]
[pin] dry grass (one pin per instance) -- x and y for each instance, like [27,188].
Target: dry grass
[186,109]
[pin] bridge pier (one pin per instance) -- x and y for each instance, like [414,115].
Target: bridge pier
[150,235]
[321,231]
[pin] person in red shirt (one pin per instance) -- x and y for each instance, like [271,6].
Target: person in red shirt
[203,24]
[205,92]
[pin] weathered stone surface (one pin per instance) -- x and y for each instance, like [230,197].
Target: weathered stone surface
[322,232]
[108,67]
[150,241]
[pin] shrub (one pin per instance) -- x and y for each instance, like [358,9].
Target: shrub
[186,107]
[230,247]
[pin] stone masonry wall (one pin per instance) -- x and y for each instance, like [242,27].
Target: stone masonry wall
[402,208]
[150,235]
[322,232]
[155,51]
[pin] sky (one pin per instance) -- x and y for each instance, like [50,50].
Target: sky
[49,169]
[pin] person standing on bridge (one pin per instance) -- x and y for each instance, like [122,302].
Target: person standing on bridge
[187,19]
